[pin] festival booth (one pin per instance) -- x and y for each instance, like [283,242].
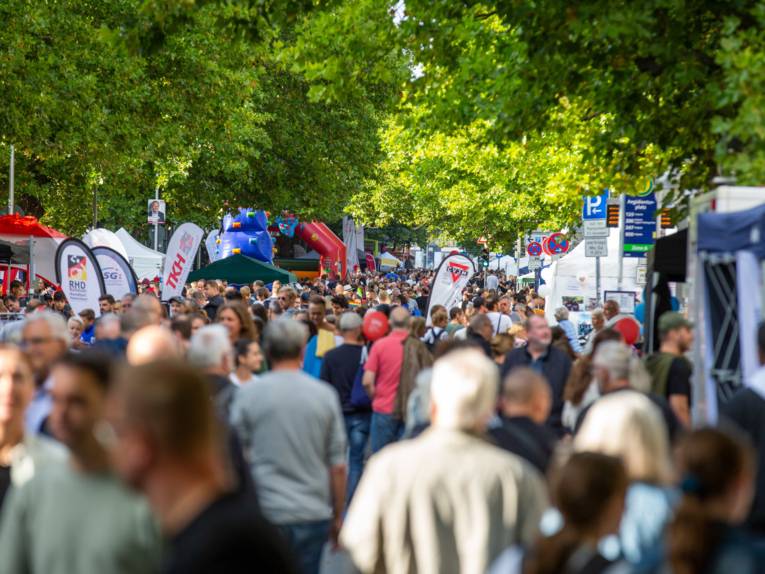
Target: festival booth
[570,282]
[728,281]
[146,262]
[30,244]
[242,270]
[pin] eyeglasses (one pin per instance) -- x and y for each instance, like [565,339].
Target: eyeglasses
[36,341]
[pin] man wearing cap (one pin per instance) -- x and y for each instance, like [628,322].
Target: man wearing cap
[670,370]
[341,368]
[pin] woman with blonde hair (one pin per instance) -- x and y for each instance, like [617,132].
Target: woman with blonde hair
[628,425]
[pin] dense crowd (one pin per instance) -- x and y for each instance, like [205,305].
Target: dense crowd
[246,427]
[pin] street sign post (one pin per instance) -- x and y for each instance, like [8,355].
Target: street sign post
[594,219]
[595,228]
[534,249]
[596,247]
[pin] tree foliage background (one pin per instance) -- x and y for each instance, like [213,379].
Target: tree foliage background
[460,117]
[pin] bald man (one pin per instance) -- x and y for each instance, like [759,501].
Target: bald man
[152,343]
[524,407]
[150,305]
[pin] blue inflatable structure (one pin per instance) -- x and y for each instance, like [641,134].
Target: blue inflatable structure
[246,233]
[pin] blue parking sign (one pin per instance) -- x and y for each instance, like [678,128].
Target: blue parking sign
[595,206]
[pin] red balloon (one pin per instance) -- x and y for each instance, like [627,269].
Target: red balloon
[629,328]
[375,325]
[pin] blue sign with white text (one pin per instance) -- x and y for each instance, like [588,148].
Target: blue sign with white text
[639,224]
[595,206]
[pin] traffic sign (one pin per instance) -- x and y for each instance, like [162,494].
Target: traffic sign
[557,244]
[595,207]
[596,247]
[534,249]
[534,263]
[595,228]
[639,224]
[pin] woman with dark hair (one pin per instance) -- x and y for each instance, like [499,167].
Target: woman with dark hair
[580,389]
[259,310]
[589,493]
[560,341]
[237,320]
[248,361]
[717,471]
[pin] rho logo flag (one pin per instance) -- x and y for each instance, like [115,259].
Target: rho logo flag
[180,258]
[452,276]
[79,275]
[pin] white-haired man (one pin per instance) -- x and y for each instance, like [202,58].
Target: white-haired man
[45,338]
[447,501]
[211,351]
[292,429]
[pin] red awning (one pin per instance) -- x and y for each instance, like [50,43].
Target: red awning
[25,226]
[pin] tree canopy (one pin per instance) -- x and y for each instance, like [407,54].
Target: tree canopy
[464,118]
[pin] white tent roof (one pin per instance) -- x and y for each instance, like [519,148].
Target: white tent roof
[573,275]
[104,238]
[146,262]
[388,259]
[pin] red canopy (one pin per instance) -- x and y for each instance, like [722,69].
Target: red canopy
[25,226]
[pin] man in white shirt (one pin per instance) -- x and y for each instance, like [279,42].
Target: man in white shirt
[500,322]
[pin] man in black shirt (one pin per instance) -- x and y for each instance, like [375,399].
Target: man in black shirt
[669,369]
[342,368]
[166,444]
[540,356]
[525,406]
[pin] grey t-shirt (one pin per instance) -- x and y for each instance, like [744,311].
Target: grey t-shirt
[292,431]
[63,521]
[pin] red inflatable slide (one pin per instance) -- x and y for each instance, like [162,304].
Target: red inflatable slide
[328,245]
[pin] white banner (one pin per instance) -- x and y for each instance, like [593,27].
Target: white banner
[350,238]
[79,275]
[119,277]
[180,258]
[451,278]
[212,245]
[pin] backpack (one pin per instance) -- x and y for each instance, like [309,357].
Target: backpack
[658,366]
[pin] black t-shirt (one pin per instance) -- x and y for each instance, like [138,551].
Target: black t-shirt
[523,437]
[679,378]
[228,536]
[5,482]
[339,369]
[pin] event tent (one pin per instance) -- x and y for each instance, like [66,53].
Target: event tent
[389,261]
[40,241]
[571,280]
[146,262]
[101,237]
[242,270]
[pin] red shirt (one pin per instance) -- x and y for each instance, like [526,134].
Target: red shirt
[384,361]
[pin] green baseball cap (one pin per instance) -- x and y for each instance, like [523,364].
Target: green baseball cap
[672,320]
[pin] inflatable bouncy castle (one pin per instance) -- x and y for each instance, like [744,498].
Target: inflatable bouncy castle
[249,233]
[246,233]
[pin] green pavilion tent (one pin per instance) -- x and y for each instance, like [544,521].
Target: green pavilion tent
[242,270]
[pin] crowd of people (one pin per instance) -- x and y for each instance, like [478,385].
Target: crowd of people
[247,427]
